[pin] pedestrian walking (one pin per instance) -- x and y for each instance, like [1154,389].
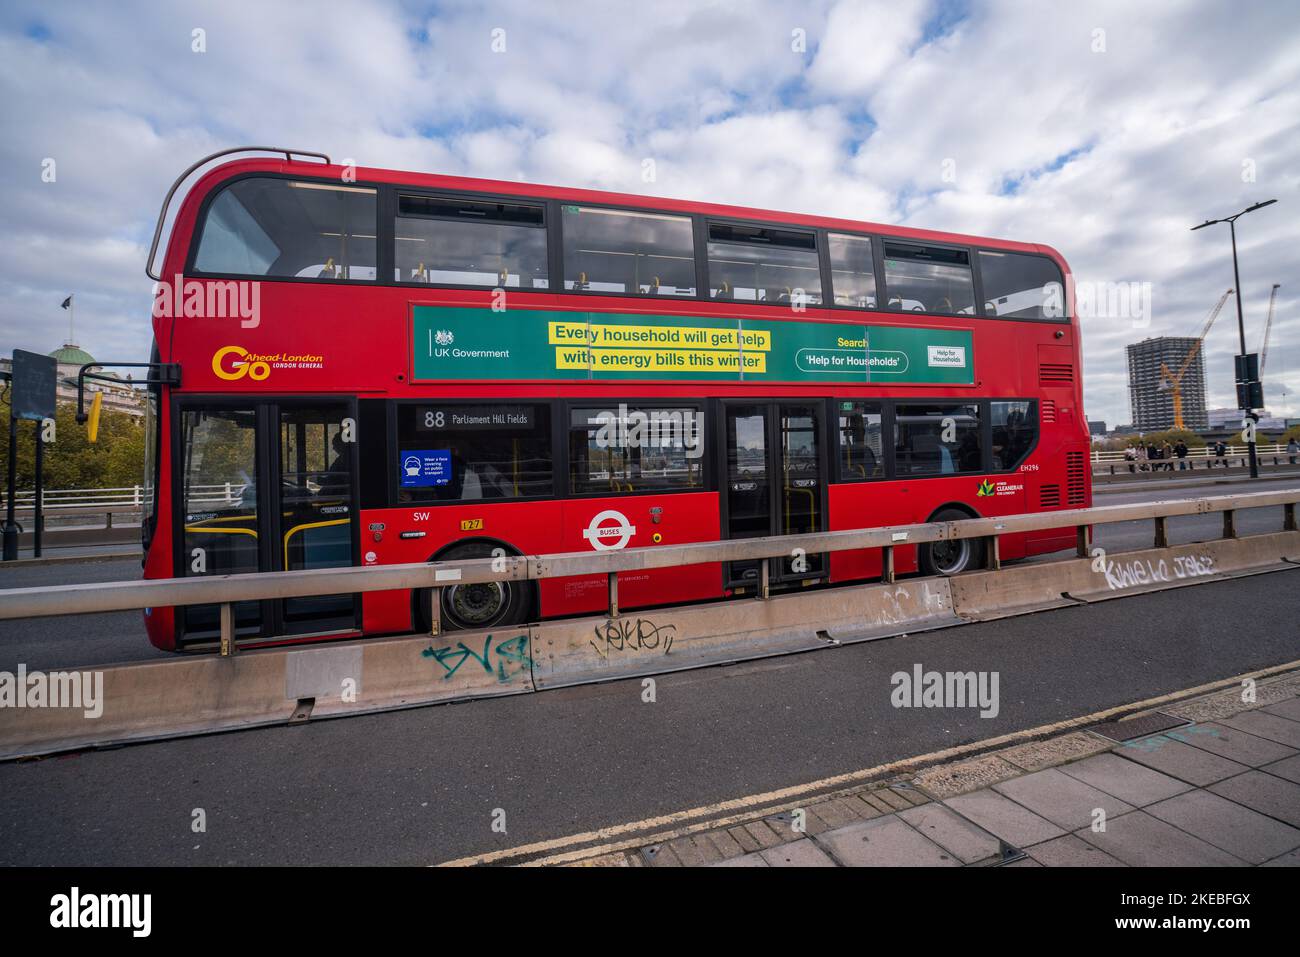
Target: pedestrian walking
[1180,450]
[1131,457]
[1292,450]
[1221,453]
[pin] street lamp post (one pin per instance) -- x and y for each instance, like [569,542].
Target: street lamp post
[1241,322]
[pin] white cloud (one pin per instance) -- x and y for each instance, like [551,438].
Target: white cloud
[1155,129]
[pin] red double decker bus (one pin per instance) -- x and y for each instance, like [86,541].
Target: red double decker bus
[382,367]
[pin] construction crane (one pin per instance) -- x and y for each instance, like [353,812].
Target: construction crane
[1169,380]
[1268,325]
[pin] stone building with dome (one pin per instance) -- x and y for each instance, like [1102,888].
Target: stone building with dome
[70,358]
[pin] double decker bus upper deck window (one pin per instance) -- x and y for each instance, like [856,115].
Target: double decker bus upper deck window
[1017,286]
[763,264]
[928,279]
[853,272]
[456,451]
[627,253]
[263,226]
[937,439]
[470,242]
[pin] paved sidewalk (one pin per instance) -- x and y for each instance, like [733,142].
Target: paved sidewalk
[1222,790]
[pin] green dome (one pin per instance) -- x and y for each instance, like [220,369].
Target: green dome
[72,354]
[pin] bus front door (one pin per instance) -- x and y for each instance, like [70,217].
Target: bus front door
[774,484]
[267,486]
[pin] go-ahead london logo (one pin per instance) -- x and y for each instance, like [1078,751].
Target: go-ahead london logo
[605,537]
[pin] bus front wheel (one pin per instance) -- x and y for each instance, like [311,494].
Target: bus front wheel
[474,605]
[953,556]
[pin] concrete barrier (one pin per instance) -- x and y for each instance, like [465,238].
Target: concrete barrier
[194,695]
[577,651]
[1024,589]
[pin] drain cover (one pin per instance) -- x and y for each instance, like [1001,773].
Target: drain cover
[1141,727]
[650,852]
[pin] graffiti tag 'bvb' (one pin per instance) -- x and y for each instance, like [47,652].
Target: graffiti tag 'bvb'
[1147,572]
[622,634]
[511,657]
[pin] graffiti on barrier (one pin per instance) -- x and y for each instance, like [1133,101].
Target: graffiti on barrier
[627,634]
[1144,571]
[505,659]
[898,605]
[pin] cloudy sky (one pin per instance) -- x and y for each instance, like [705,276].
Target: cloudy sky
[1104,129]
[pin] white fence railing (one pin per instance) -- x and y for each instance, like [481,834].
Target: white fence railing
[1197,453]
[127,497]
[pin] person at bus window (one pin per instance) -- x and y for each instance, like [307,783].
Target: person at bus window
[337,477]
[1002,450]
[968,452]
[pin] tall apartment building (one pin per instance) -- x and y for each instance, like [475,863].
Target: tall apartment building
[1153,407]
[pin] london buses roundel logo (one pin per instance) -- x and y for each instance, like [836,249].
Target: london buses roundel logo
[605,537]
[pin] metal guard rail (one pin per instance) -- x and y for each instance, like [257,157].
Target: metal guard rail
[224,590]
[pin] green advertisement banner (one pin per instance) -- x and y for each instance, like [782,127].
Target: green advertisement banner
[474,343]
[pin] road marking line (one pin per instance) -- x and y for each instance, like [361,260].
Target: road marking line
[753,801]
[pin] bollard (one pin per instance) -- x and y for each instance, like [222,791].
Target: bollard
[613,594]
[887,564]
[1162,536]
[764,580]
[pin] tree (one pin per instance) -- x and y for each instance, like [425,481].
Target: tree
[71,461]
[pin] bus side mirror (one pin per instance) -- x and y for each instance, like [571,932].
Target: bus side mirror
[92,423]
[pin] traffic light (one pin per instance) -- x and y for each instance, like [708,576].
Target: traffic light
[1247,367]
[1250,391]
[1250,395]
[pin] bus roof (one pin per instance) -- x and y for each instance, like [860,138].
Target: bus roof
[435,181]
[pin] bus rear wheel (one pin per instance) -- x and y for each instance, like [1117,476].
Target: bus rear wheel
[475,605]
[953,556]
